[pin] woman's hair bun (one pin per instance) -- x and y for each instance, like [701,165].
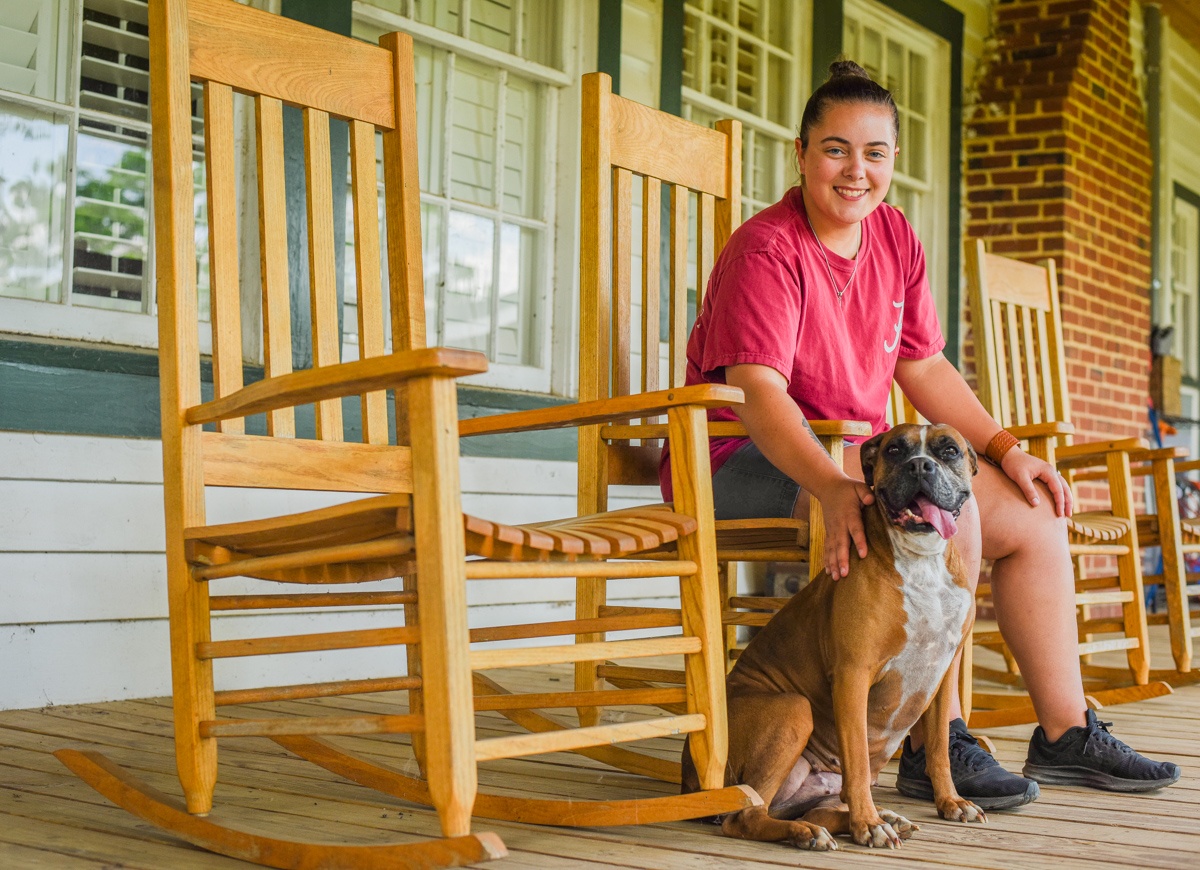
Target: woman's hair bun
[840,68]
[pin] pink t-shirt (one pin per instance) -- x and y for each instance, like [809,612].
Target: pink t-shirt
[770,301]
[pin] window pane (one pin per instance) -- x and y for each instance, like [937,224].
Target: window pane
[33,154]
[516,268]
[110,222]
[469,281]
[522,132]
[430,74]
[431,254]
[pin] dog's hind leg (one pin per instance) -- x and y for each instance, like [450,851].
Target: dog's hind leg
[768,734]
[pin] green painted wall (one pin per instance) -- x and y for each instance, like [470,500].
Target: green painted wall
[76,389]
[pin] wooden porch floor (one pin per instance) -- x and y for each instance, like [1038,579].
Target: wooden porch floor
[50,819]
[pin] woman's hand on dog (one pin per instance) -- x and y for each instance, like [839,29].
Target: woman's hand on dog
[842,501]
[1023,469]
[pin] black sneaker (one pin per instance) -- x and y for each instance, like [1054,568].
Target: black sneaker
[1091,756]
[977,776]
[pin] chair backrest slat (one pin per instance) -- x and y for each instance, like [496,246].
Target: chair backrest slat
[706,233]
[651,275]
[1016,383]
[273,253]
[364,199]
[225,304]
[622,304]
[1037,411]
[322,277]
[678,335]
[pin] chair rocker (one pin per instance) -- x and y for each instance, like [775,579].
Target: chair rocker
[407,524]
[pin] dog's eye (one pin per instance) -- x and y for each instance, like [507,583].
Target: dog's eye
[893,450]
[951,451]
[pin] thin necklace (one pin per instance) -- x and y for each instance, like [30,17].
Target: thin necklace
[829,268]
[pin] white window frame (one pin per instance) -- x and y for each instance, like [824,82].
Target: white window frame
[779,135]
[65,318]
[932,224]
[540,376]
[1184,281]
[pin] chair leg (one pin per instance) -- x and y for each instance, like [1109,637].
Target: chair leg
[700,594]
[728,572]
[1129,568]
[442,592]
[591,593]
[412,616]
[191,682]
[1174,565]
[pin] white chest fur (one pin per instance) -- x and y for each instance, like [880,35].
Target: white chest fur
[935,609]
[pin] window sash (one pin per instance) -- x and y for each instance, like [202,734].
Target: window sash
[484,161]
[768,38]
[1185,279]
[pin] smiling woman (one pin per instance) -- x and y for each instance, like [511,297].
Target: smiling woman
[814,307]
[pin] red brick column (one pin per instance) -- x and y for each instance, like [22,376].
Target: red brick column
[1058,165]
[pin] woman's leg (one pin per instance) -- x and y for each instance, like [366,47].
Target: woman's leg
[1033,590]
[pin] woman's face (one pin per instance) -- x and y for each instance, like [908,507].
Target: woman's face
[848,164]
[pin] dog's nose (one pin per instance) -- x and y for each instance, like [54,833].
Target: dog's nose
[921,467]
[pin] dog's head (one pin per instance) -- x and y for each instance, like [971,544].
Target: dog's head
[921,476]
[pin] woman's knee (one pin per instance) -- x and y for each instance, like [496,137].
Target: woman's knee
[1010,524]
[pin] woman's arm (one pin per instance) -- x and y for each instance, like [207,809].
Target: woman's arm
[940,394]
[778,428]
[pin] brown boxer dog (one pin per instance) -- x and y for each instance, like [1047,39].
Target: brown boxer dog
[823,695]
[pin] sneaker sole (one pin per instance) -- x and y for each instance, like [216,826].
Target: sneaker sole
[924,791]
[1093,779]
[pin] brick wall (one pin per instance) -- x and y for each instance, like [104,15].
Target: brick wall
[1058,165]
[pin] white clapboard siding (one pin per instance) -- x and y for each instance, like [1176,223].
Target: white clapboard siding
[82,578]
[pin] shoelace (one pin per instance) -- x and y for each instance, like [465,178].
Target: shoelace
[966,749]
[1103,738]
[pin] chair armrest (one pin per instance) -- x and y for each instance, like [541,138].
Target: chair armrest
[820,428]
[1144,462]
[1042,430]
[1095,452]
[343,379]
[823,429]
[618,409]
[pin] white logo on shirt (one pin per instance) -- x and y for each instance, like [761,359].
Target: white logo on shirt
[899,321]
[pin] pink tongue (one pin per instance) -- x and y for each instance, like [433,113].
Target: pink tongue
[940,519]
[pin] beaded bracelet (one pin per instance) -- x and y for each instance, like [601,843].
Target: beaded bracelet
[1002,442]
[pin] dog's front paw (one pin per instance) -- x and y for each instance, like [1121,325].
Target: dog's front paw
[813,837]
[876,834]
[900,825]
[960,810]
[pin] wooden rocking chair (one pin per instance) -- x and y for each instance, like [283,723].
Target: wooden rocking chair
[412,527]
[649,176]
[1022,382]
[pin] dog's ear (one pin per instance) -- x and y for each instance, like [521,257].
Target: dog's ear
[974,459]
[867,455]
